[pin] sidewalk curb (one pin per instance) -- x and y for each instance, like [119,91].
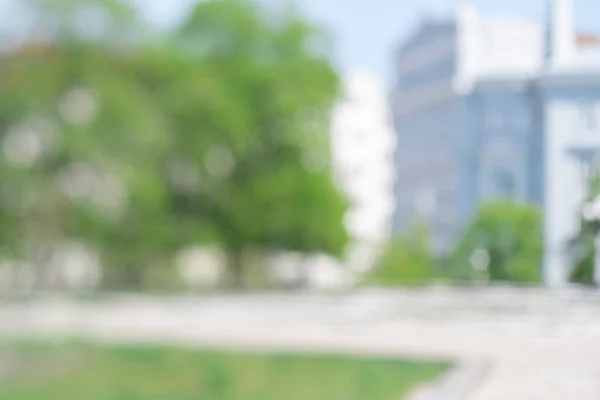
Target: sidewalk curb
[458,384]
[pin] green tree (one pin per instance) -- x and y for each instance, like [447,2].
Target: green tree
[581,246]
[511,233]
[407,260]
[216,132]
[255,127]
[82,137]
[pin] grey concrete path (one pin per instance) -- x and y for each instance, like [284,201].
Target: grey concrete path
[511,344]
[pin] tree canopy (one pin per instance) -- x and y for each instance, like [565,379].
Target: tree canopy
[581,247]
[142,144]
[408,260]
[511,234]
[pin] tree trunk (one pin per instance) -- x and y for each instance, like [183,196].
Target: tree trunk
[43,273]
[235,270]
[305,271]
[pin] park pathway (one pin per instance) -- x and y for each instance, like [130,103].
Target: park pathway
[508,344]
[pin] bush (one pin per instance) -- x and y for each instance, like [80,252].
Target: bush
[583,269]
[407,260]
[581,246]
[511,233]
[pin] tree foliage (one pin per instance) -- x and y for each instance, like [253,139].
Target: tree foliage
[215,132]
[407,260]
[581,247]
[261,112]
[511,233]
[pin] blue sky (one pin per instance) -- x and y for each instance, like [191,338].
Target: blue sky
[366,31]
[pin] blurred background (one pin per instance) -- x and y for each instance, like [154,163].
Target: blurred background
[299,162]
[154,146]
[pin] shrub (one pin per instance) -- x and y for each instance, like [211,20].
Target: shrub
[511,233]
[407,260]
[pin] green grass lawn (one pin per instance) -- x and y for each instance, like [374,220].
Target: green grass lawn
[86,372]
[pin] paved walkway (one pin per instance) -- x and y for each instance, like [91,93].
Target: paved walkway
[511,345]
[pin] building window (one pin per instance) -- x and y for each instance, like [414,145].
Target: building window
[504,183]
[494,119]
[589,117]
[524,121]
[426,201]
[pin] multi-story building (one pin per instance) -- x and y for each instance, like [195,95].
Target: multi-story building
[363,145]
[488,107]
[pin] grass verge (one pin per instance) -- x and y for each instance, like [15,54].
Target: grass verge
[90,372]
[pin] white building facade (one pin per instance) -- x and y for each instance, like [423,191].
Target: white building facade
[363,146]
[489,108]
